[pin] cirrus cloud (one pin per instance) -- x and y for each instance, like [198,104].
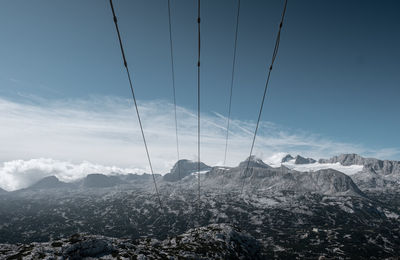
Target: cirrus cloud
[104,131]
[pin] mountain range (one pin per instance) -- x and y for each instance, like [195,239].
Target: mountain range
[323,210]
[324,177]
[375,173]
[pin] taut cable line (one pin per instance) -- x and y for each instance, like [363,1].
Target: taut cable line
[274,54]
[232,80]
[198,99]
[134,101]
[173,84]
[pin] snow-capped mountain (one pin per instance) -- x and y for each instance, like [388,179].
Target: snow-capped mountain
[345,159]
[380,167]
[366,172]
[261,176]
[253,162]
[297,160]
[327,176]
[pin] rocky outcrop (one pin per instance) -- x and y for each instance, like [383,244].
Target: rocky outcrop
[376,174]
[345,159]
[215,241]
[184,168]
[287,158]
[252,162]
[259,176]
[50,182]
[79,246]
[384,167]
[301,160]
[97,180]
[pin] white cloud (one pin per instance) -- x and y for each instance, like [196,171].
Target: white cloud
[19,174]
[275,159]
[104,131]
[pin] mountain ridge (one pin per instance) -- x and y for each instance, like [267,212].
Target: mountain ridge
[184,168]
[49,182]
[327,181]
[377,174]
[384,167]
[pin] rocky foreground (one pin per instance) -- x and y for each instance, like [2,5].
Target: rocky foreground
[217,241]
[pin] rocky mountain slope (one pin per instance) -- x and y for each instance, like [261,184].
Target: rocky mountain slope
[286,224]
[367,173]
[297,160]
[184,168]
[97,180]
[217,241]
[261,176]
[381,167]
[287,158]
[301,160]
[50,182]
[376,174]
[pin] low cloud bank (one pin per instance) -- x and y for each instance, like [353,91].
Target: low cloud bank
[20,174]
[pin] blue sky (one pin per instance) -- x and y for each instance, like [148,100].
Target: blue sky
[336,76]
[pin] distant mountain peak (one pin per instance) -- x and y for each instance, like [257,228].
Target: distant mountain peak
[327,181]
[48,182]
[287,158]
[253,161]
[301,160]
[345,159]
[376,174]
[298,159]
[183,168]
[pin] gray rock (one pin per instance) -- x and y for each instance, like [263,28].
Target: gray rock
[253,161]
[302,160]
[376,174]
[329,181]
[87,247]
[49,182]
[97,180]
[345,159]
[215,241]
[287,158]
[184,168]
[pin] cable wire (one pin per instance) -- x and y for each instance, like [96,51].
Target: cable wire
[274,54]
[232,80]
[198,99]
[134,100]
[173,85]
